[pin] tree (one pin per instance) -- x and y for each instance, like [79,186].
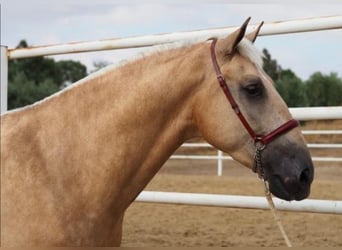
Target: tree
[71,71]
[22,91]
[289,86]
[36,69]
[35,78]
[270,65]
[99,65]
[324,90]
[292,89]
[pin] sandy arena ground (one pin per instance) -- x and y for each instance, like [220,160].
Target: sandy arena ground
[178,225]
[152,225]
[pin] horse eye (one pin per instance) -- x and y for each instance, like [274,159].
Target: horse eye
[254,89]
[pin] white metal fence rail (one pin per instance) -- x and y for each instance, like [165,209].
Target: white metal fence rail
[238,201]
[293,26]
[271,28]
[220,157]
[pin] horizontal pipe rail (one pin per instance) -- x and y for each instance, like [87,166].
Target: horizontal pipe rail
[271,28]
[327,159]
[237,201]
[310,145]
[214,157]
[200,157]
[316,113]
[322,132]
[222,157]
[325,145]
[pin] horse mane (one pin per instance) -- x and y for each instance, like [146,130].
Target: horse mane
[247,49]
[101,72]
[147,52]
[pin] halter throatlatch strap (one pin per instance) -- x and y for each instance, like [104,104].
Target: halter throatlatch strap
[260,139]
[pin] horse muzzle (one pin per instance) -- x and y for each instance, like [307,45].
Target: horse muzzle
[289,171]
[290,188]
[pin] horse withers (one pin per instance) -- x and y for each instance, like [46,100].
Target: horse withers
[72,163]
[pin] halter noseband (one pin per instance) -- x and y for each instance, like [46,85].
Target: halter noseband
[260,140]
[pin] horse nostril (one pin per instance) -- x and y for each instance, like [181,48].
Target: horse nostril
[304,177]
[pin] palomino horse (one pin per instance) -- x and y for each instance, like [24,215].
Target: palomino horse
[73,163]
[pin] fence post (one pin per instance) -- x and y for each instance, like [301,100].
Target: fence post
[4,79]
[219,162]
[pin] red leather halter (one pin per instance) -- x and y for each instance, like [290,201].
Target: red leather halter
[258,139]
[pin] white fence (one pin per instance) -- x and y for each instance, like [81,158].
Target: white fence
[220,155]
[293,26]
[238,201]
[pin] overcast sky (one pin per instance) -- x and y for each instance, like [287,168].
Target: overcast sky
[49,22]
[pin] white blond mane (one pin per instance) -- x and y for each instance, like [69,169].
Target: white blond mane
[149,51]
[245,47]
[248,50]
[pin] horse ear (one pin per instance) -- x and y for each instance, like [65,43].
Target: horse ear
[227,45]
[253,35]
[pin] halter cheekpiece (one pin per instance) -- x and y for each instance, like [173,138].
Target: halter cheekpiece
[260,140]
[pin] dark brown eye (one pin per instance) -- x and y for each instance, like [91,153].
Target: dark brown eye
[254,88]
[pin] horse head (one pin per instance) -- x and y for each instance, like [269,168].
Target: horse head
[285,160]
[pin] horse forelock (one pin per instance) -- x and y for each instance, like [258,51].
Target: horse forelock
[248,50]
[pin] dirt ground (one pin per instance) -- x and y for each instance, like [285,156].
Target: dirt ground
[179,225]
[156,225]
[153,225]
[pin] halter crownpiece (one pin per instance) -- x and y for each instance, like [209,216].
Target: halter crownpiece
[260,140]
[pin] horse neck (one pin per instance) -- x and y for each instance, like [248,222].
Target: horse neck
[134,119]
[157,112]
[90,150]
[100,142]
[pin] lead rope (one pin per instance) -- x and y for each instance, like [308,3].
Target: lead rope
[258,168]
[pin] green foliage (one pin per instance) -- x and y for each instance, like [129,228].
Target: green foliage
[271,66]
[324,90]
[22,91]
[33,79]
[36,69]
[291,89]
[71,71]
[318,90]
